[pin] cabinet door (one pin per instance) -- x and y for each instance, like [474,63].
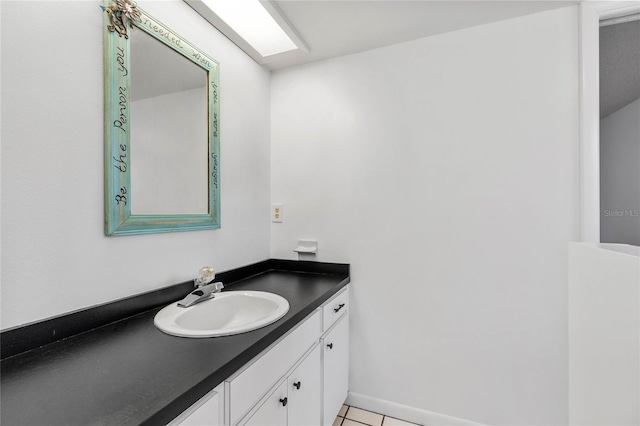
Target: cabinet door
[335,359]
[305,398]
[273,411]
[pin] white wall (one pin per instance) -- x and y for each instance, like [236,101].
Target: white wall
[55,257]
[604,334]
[620,176]
[445,171]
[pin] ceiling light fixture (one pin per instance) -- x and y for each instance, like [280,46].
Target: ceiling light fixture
[254,24]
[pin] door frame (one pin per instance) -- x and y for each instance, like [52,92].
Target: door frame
[591,13]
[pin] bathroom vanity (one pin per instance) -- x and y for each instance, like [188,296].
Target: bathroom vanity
[125,372]
[301,379]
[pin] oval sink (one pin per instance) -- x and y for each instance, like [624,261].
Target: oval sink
[230,312]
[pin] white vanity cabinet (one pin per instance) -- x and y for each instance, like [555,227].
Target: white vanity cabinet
[245,389]
[297,400]
[301,380]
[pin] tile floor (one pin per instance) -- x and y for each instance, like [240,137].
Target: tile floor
[352,416]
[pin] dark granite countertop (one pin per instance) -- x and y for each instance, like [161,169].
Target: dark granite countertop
[127,372]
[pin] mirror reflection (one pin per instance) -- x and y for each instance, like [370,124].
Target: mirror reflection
[169,133]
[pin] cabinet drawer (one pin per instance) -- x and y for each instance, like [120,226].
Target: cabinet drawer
[334,309]
[247,387]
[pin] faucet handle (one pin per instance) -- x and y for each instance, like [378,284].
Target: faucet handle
[200,294]
[205,276]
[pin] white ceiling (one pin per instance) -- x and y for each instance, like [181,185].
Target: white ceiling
[331,28]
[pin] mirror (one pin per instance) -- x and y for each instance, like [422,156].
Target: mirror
[161,127]
[168,130]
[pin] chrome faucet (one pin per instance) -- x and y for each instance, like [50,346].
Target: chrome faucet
[204,290]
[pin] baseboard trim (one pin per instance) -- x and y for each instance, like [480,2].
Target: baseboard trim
[404,412]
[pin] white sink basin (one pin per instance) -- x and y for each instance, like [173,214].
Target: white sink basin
[229,312]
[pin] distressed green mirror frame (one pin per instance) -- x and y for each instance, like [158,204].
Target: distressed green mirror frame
[121,16]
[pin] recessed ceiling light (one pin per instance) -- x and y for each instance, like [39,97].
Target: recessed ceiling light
[251,21]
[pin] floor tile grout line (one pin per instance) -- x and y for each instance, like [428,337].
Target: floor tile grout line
[384,416]
[366,411]
[355,421]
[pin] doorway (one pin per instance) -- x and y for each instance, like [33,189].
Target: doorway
[619,69]
[590,18]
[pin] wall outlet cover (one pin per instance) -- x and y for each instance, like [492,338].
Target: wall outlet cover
[276,212]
